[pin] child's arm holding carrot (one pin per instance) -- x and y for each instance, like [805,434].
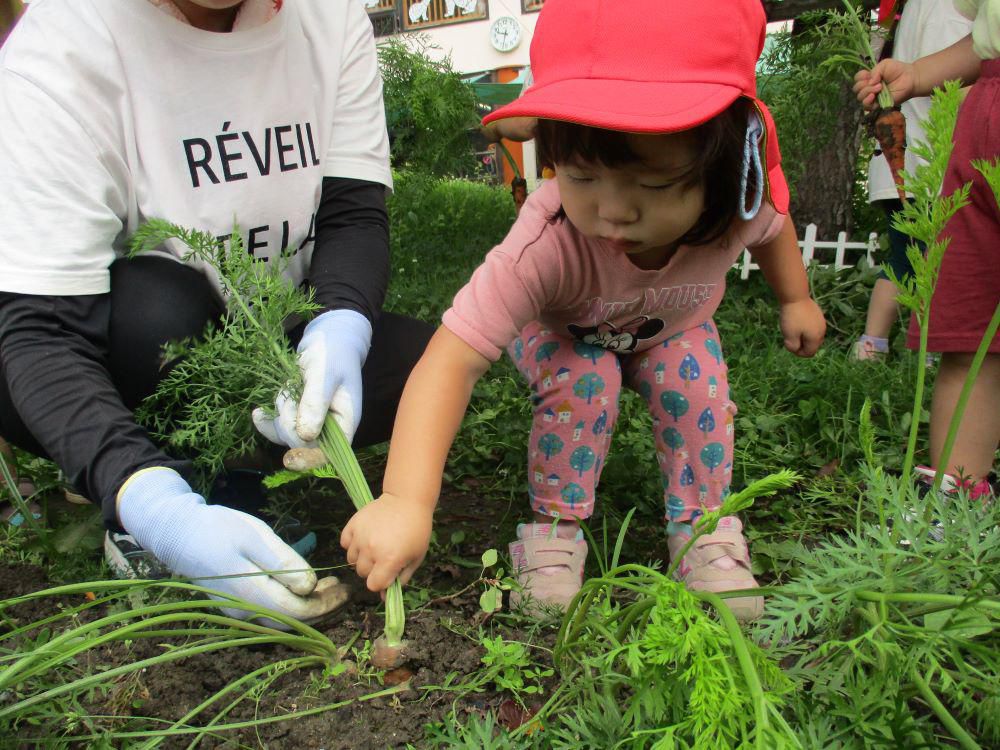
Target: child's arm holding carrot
[919,78]
[802,324]
[389,537]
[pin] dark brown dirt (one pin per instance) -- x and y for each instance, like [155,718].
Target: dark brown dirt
[444,650]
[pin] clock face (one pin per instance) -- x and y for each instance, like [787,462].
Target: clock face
[505,33]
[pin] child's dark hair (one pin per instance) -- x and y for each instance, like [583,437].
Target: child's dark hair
[717,166]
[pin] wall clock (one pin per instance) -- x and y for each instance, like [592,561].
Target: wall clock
[505,33]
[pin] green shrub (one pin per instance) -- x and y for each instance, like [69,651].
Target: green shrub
[429,110]
[440,230]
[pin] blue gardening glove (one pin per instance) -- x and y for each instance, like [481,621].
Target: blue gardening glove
[333,349]
[199,541]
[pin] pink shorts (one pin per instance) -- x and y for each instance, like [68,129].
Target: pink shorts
[968,288]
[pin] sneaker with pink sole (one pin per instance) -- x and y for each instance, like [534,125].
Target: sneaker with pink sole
[719,562]
[548,567]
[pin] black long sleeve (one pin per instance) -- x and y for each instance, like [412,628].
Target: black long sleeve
[350,263]
[54,351]
[55,356]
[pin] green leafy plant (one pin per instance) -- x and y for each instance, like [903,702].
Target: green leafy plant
[481,733]
[429,109]
[203,404]
[881,628]
[440,230]
[508,666]
[924,218]
[850,35]
[636,635]
[893,629]
[494,584]
[40,670]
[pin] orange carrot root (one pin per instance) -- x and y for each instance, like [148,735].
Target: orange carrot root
[890,131]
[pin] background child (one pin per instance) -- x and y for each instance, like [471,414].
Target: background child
[968,287]
[610,277]
[925,27]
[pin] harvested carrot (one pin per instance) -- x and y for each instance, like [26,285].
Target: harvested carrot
[890,131]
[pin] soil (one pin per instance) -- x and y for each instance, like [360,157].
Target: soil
[444,649]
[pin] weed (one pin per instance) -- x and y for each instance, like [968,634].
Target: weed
[508,667]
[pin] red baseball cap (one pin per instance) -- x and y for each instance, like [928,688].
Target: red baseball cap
[648,66]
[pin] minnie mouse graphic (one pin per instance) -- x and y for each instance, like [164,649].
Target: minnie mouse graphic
[609,336]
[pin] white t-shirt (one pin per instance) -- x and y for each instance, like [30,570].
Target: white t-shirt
[926,27]
[986,29]
[114,112]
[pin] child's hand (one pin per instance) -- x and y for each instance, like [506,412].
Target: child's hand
[900,77]
[802,326]
[387,539]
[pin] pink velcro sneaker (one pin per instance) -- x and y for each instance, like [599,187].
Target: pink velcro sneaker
[549,568]
[719,562]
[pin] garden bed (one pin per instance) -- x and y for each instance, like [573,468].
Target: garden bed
[444,633]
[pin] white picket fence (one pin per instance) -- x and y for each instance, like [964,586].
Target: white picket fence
[809,245]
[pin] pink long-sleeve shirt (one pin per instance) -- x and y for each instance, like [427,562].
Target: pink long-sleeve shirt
[546,270]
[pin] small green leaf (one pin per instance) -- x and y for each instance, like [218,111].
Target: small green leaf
[80,535]
[282,477]
[489,600]
[489,558]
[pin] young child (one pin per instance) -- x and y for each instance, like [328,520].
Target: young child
[609,278]
[968,287]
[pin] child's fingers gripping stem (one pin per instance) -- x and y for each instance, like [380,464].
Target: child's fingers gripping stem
[389,537]
[898,76]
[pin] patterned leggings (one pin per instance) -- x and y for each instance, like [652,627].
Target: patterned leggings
[575,390]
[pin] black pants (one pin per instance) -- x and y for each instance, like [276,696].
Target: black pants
[155,300]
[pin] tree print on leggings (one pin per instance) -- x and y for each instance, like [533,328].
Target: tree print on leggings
[546,350]
[706,422]
[675,508]
[712,455]
[714,350]
[518,349]
[673,439]
[588,351]
[582,459]
[689,370]
[687,476]
[674,404]
[550,445]
[572,494]
[601,423]
[588,386]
